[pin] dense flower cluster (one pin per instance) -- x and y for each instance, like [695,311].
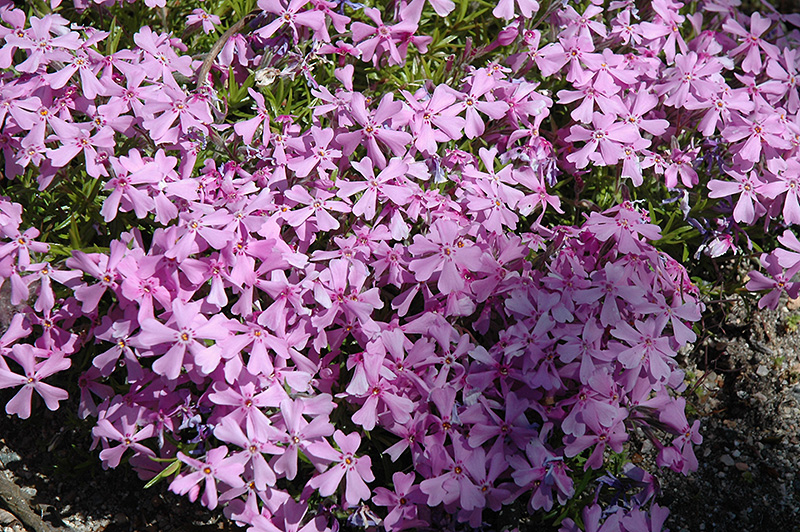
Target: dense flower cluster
[304,297]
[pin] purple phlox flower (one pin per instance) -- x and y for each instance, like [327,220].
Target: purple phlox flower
[450,481]
[490,426]
[752,41]
[355,470]
[34,372]
[292,16]
[598,436]
[646,347]
[402,503]
[218,467]
[536,472]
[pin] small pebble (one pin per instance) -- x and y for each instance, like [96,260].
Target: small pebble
[726,459]
[741,466]
[762,371]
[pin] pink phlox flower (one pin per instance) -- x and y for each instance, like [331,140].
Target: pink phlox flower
[33,372]
[160,57]
[100,266]
[435,119]
[377,126]
[48,39]
[375,188]
[199,229]
[292,15]
[726,105]
[381,396]
[603,143]
[679,165]
[254,444]
[444,250]
[787,173]
[581,25]
[340,289]
[313,209]
[691,79]
[589,94]
[778,281]
[21,245]
[43,273]
[626,227]
[187,326]
[481,84]
[752,41]
[763,131]
[129,436]
[207,20]
[217,468]
[373,42]
[302,435]
[355,470]
[175,105]
[247,129]
[78,138]
[118,332]
[638,107]
[317,155]
[83,65]
[783,73]
[506,9]
[748,207]
[665,32]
